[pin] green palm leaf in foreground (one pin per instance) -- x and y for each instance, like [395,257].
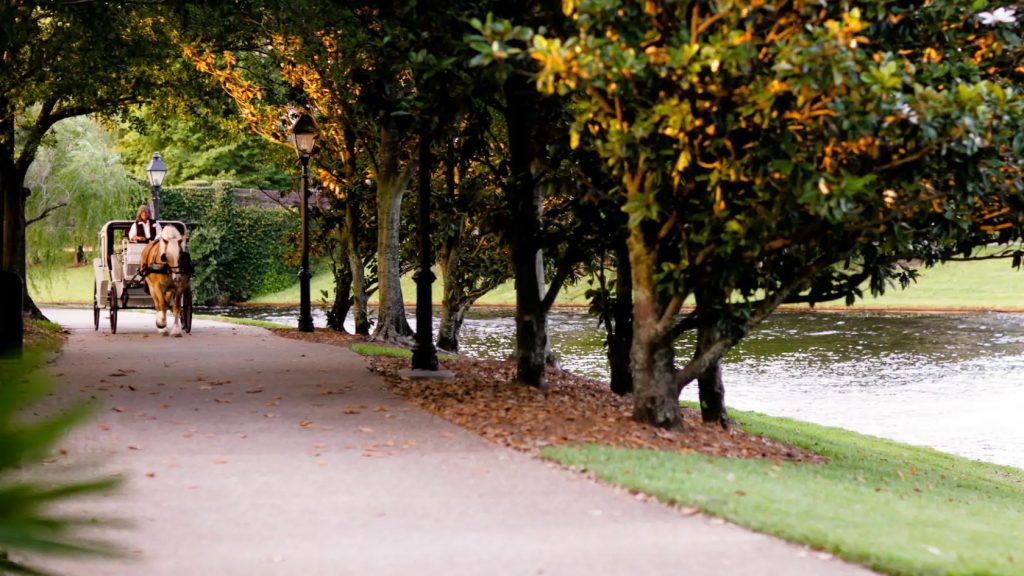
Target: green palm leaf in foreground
[27,523]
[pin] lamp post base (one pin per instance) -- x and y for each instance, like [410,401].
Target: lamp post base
[305,316]
[424,354]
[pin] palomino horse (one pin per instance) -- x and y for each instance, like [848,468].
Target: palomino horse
[167,269]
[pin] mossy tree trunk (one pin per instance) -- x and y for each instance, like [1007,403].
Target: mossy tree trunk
[392,180]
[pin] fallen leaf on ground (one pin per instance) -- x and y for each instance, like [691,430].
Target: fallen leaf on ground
[484,398]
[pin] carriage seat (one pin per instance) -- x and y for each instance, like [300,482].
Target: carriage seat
[132,257]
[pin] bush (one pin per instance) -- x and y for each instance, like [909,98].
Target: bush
[239,251]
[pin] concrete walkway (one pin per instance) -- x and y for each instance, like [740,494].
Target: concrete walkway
[248,454]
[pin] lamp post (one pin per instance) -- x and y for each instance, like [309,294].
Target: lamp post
[424,354]
[156,172]
[303,137]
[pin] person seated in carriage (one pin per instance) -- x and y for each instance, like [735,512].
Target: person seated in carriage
[143,229]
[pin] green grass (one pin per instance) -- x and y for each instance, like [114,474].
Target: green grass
[72,285]
[42,339]
[984,284]
[244,321]
[895,508]
[987,284]
[367,349]
[503,295]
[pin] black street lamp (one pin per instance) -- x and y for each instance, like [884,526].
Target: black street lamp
[156,172]
[424,354]
[303,137]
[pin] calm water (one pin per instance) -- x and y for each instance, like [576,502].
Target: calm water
[952,381]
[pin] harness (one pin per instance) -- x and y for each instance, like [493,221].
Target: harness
[184,266]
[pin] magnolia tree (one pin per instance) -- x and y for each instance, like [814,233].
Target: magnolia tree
[785,152]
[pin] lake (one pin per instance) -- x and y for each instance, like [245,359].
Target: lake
[954,382]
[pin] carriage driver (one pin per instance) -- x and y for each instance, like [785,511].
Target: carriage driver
[143,230]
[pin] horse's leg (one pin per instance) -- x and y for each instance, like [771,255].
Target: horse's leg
[176,311]
[161,308]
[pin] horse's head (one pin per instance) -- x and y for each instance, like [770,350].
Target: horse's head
[172,253]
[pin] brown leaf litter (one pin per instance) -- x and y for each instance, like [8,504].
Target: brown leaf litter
[484,398]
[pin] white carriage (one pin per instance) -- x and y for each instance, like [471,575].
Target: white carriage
[119,283]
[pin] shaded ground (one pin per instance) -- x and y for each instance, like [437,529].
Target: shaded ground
[483,398]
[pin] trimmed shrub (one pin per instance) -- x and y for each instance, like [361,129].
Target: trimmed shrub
[239,251]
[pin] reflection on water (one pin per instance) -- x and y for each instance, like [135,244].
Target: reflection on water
[951,381]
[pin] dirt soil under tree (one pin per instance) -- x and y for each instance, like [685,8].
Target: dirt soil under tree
[483,398]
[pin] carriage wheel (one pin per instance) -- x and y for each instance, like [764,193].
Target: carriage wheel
[95,309]
[113,309]
[186,310]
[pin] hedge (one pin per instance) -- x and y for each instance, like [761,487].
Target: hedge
[239,251]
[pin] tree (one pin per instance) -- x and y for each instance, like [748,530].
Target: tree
[341,64]
[66,59]
[534,144]
[206,149]
[471,256]
[784,153]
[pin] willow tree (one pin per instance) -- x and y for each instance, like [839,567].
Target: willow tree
[78,183]
[774,152]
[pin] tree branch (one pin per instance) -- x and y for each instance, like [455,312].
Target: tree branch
[684,324]
[669,315]
[44,213]
[715,352]
[564,269]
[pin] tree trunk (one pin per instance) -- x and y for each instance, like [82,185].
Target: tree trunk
[710,388]
[342,291]
[452,310]
[655,397]
[361,312]
[391,183]
[711,391]
[12,187]
[620,341]
[524,199]
[451,323]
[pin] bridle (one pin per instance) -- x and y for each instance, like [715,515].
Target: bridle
[183,266]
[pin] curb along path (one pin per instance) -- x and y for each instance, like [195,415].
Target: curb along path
[247,454]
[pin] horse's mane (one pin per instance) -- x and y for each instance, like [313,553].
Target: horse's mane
[155,249]
[170,233]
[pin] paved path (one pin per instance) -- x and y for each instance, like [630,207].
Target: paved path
[248,454]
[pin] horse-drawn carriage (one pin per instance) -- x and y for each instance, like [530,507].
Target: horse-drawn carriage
[123,267]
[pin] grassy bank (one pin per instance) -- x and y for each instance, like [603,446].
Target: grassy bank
[990,285]
[503,295]
[896,508]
